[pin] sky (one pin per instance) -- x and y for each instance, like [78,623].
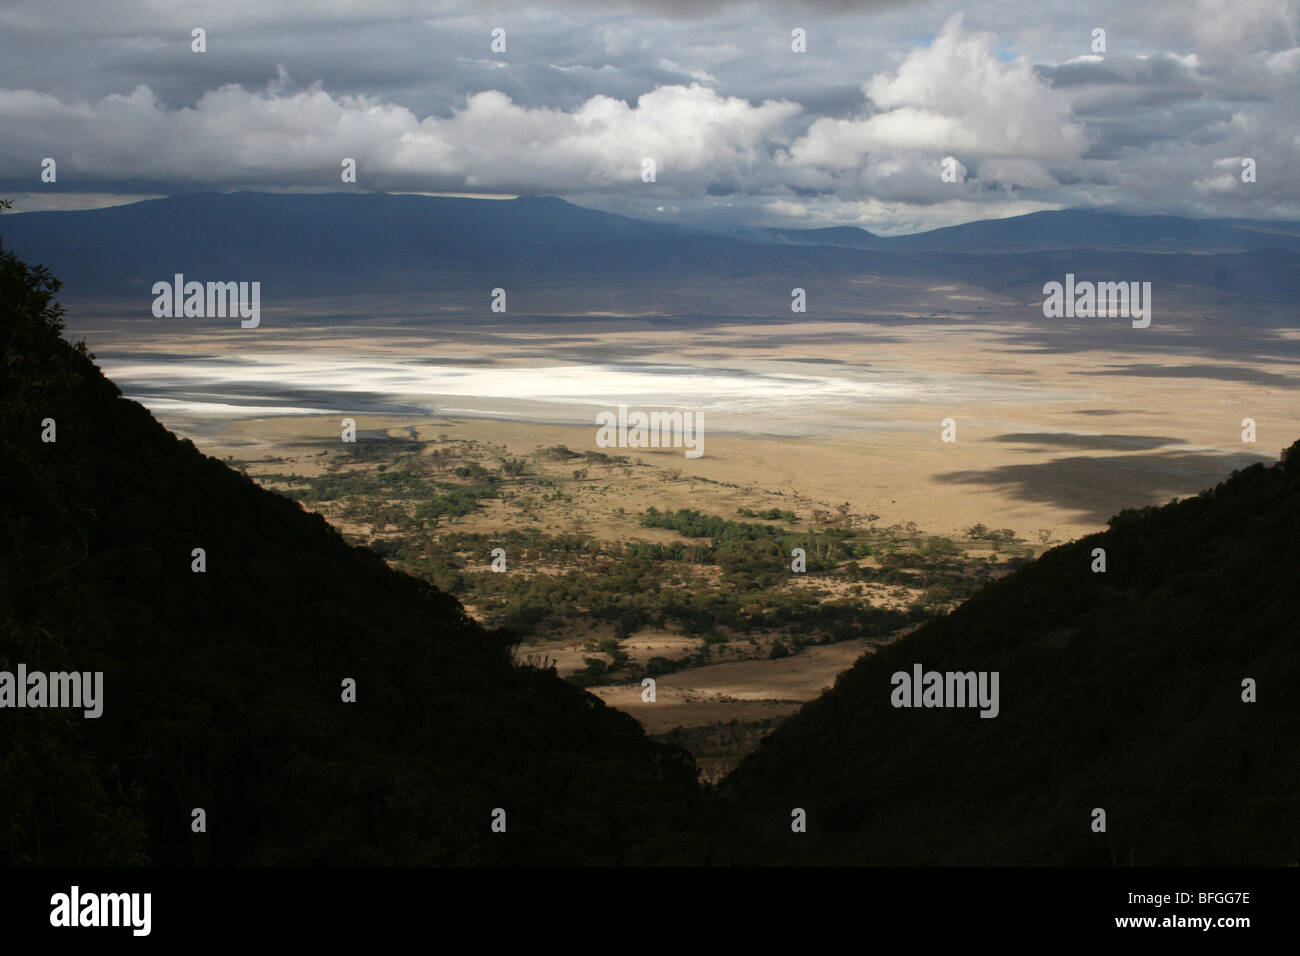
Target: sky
[1013,98]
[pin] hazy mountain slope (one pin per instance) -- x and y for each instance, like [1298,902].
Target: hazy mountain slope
[1066,229]
[222,690]
[1120,690]
[1096,229]
[850,236]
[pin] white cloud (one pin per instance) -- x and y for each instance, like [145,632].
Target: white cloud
[1286,63]
[1024,173]
[896,218]
[1227,29]
[278,137]
[955,96]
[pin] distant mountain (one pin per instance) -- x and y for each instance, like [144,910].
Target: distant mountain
[327,244]
[1120,691]
[1066,229]
[223,690]
[320,244]
[848,236]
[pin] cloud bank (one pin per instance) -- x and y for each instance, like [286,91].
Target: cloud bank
[741,128]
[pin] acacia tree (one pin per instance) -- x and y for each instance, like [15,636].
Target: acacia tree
[1001,536]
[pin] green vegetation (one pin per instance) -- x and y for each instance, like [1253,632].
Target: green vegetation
[454,503]
[771,514]
[723,580]
[563,580]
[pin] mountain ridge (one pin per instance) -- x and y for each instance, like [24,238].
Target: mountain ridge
[331,243]
[1072,229]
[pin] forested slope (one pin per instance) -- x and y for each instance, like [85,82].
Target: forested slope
[223,690]
[1120,690]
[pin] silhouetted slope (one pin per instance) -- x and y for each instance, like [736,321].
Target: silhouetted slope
[1120,690]
[222,690]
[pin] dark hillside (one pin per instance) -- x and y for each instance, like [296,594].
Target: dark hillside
[1119,690]
[222,690]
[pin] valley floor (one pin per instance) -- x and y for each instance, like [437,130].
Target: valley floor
[1057,429]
